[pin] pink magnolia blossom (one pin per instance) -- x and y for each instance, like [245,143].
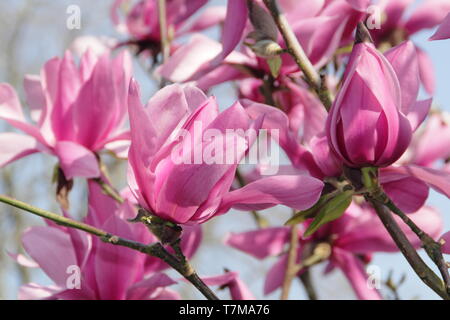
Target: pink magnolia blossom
[75,112]
[193,192]
[106,271]
[353,238]
[367,125]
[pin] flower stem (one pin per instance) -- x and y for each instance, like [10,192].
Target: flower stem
[154,250]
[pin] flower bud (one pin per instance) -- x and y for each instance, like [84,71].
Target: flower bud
[365,126]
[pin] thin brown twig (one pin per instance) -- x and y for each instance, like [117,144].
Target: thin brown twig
[291,267]
[296,51]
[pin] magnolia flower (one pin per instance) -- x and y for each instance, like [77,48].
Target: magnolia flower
[352,239]
[367,124]
[197,188]
[76,112]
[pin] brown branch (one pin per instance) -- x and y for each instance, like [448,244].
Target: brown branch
[432,248]
[291,268]
[419,266]
[155,250]
[305,278]
[296,51]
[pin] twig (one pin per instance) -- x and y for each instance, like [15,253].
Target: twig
[432,248]
[291,269]
[296,51]
[419,266]
[109,190]
[154,250]
[305,278]
[163,29]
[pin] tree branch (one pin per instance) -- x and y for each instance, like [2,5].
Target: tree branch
[163,29]
[419,266]
[291,268]
[432,248]
[296,51]
[155,250]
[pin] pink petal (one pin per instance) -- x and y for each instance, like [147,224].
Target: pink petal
[11,111]
[76,160]
[355,273]
[437,179]
[194,60]
[446,247]
[404,60]
[298,192]
[277,122]
[275,276]
[209,17]
[186,186]
[235,22]
[144,289]
[52,249]
[408,193]
[15,146]
[427,15]
[426,69]
[418,112]
[360,5]
[32,291]
[260,243]
[443,32]
[428,149]
[116,268]
[23,260]
[366,234]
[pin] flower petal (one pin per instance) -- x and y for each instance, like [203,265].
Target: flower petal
[52,249]
[76,160]
[260,243]
[15,146]
[299,192]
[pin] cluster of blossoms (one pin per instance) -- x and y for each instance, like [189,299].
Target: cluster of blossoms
[375,142]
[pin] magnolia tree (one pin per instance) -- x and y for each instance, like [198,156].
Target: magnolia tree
[333,84]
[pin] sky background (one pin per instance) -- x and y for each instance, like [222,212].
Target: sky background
[34,31]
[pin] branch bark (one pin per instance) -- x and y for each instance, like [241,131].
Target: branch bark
[291,268]
[155,250]
[296,51]
[419,266]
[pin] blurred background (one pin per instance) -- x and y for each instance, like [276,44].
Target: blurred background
[32,32]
